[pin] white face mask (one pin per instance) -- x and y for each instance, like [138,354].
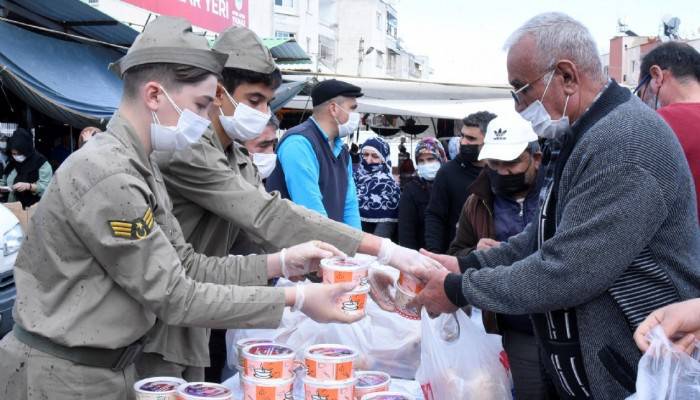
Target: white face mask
[428,170]
[245,124]
[20,158]
[265,162]
[543,125]
[349,127]
[189,129]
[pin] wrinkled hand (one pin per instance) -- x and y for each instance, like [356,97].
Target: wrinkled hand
[320,302]
[449,262]
[380,284]
[304,258]
[21,187]
[486,243]
[680,322]
[433,296]
[403,259]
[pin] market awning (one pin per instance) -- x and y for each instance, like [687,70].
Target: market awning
[418,98]
[65,80]
[403,89]
[285,93]
[445,109]
[286,51]
[73,17]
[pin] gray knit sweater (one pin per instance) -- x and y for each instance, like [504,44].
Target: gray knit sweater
[625,194]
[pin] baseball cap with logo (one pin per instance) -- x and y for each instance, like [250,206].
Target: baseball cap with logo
[506,138]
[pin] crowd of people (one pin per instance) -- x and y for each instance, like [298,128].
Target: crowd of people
[570,224]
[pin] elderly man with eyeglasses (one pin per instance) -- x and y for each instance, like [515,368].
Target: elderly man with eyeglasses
[616,235]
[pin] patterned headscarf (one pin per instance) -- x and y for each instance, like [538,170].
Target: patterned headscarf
[377,192]
[433,146]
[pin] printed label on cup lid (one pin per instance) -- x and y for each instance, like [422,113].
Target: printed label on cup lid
[370,378]
[341,262]
[329,351]
[318,383]
[206,390]
[247,342]
[269,350]
[160,386]
[386,396]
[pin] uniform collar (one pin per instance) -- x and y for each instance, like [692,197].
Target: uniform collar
[212,138]
[234,151]
[122,129]
[240,154]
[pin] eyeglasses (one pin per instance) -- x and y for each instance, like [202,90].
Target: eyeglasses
[642,84]
[515,93]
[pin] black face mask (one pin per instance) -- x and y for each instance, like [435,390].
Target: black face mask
[507,185]
[469,152]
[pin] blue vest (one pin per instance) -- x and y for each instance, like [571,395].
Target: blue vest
[333,171]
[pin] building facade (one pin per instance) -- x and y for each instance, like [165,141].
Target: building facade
[369,44]
[347,37]
[624,59]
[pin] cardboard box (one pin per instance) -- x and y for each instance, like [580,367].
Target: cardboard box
[22,215]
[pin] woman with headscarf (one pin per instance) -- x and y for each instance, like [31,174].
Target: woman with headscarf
[430,156]
[377,192]
[28,173]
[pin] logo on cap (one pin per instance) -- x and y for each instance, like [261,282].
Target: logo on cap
[499,134]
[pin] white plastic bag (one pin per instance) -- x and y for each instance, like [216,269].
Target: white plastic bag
[460,361]
[385,341]
[666,372]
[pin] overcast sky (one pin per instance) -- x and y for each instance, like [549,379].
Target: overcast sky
[464,38]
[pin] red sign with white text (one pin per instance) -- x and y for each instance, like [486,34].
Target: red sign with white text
[212,15]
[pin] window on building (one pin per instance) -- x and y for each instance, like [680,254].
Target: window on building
[634,65]
[416,70]
[326,50]
[380,58]
[379,21]
[284,3]
[284,35]
[391,25]
[392,58]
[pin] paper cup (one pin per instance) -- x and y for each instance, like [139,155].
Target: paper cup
[353,302]
[403,299]
[268,389]
[410,283]
[371,382]
[268,361]
[330,362]
[157,388]
[203,391]
[387,396]
[339,270]
[328,390]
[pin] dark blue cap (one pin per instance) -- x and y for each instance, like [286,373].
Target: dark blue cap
[331,88]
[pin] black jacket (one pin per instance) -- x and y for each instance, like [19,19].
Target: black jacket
[450,191]
[414,200]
